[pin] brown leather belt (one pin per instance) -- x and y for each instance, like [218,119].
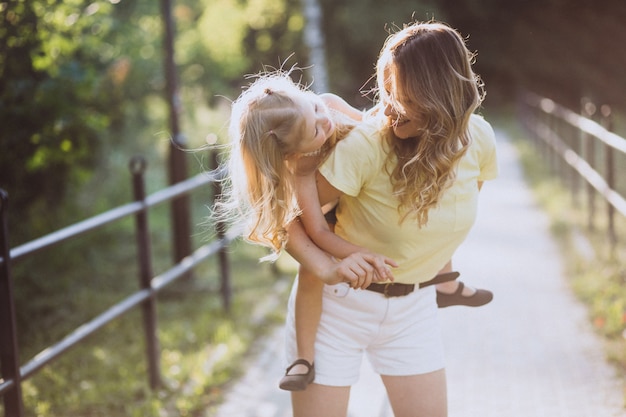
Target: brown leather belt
[392,289]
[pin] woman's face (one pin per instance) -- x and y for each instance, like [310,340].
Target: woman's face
[403,126]
[316,126]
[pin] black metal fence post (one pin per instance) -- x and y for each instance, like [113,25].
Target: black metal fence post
[9,353]
[220,230]
[137,168]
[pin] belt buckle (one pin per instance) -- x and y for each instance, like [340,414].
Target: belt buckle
[386,289]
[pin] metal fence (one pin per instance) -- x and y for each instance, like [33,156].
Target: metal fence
[12,372]
[582,152]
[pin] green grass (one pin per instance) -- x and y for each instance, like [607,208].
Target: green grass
[596,271]
[201,345]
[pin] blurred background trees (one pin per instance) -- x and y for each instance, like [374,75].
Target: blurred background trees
[82,90]
[82,78]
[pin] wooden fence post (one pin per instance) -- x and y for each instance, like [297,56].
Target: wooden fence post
[578,147]
[9,353]
[137,168]
[588,109]
[609,161]
[180,210]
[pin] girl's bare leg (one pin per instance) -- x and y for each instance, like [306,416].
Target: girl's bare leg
[308,313]
[451,286]
[418,395]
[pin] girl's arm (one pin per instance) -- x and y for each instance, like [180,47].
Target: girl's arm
[317,228]
[312,216]
[338,104]
[315,224]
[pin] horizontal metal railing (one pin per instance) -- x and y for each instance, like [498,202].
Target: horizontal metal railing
[12,373]
[572,143]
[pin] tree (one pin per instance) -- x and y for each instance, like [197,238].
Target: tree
[67,76]
[49,108]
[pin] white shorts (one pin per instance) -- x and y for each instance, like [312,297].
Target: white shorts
[401,335]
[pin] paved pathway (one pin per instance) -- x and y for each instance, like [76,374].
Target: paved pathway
[530,353]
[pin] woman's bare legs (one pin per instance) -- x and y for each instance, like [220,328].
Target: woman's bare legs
[321,401]
[418,395]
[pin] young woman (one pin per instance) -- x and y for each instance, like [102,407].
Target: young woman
[407,182]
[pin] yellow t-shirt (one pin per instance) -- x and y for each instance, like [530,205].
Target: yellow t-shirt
[367,213]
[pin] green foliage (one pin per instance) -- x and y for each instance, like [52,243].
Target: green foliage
[60,97]
[77,76]
[222,40]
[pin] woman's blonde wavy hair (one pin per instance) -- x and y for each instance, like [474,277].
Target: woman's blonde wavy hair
[428,68]
[260,188]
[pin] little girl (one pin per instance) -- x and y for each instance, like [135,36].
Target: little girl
[279,134]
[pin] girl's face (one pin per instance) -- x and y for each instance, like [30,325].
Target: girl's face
[316,126]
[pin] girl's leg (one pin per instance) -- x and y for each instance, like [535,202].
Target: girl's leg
[321,400]
[451,286]
[308,310]
[418,395]
[308,313]
[454,293]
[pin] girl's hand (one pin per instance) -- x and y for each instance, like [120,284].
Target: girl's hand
[360,269]
[355,269]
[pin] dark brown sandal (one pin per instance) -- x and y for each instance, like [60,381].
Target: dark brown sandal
[298,382]
[479,298]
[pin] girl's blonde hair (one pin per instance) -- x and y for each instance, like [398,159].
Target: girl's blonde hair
[260,188]
[434,83]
